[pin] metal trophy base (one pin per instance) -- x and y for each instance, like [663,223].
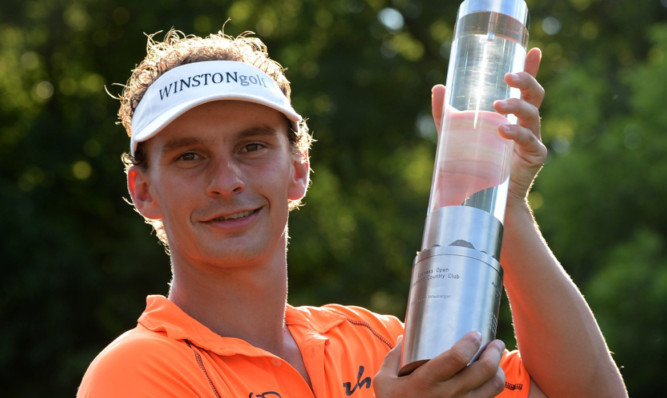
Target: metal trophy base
[453,290]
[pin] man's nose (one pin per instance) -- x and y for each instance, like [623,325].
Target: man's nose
[226,179]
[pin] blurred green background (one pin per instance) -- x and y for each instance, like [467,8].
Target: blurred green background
[77,262]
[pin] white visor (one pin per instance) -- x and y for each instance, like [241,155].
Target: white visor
[186,86]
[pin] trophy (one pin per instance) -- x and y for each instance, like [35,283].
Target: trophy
[456,279]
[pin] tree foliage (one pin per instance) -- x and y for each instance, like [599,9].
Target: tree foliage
[78,262]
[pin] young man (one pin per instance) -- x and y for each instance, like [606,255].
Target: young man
[218,158]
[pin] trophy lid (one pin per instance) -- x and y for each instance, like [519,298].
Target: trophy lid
[516,9]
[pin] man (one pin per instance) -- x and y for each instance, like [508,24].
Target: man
[218,158]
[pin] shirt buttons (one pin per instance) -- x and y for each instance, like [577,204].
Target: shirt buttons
[276,362]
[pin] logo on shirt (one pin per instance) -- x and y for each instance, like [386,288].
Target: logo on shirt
[513,387]
[362,382]
[268,394]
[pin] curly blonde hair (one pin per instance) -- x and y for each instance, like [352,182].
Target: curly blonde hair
[178,49]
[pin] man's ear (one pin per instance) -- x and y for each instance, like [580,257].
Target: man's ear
[143,198]
[300,178]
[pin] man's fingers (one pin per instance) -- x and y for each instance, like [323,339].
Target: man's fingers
[437,104]
[533,59]
[484,373]
[392,360]
[385,379]
[493,386]
[448,374]
[527,114]
[531,91]
[452,361]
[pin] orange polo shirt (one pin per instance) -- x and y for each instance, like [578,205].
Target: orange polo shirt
[169,354]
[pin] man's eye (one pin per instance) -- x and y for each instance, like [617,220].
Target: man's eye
[252,147]
[188,156]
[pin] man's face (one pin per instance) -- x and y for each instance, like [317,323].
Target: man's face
[220,177]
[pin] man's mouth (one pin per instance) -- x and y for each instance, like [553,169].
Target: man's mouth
[236,216]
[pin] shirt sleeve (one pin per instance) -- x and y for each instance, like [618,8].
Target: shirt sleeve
[517,379]
[143,367]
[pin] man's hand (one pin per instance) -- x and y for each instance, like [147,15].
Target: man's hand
[529,151]
[446,375]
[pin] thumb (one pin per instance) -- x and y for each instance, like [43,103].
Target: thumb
[393,360]
[437,103]
[385,378]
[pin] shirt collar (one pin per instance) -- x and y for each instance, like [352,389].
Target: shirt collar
[163,316]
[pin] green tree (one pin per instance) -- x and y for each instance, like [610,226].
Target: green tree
[610,183]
